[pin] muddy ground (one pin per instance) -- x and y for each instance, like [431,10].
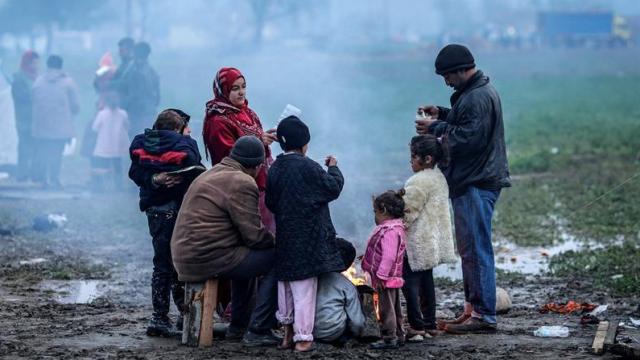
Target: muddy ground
[106,240]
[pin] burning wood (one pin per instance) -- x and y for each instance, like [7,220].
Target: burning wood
[368,301]
[353,276]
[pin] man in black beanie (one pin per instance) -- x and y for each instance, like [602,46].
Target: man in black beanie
[473,131]
[219,233]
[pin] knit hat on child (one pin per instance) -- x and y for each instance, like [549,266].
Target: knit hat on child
[292,133]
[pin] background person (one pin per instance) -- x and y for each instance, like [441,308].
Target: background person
[55,103]
[139,88]
[21,88]
[112,141]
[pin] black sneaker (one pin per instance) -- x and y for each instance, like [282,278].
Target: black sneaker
[161,327]
[252,339]
[385,345]
[234,333]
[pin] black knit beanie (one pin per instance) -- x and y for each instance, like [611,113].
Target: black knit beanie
[347,252]
[248,151]
[454,57]
[292,133]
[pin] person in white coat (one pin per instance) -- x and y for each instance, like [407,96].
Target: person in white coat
[429,233]
[112,141]
[55,103]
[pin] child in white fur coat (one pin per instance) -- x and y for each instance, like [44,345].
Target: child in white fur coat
[429,233]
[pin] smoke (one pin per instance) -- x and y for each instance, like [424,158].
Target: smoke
[357,69]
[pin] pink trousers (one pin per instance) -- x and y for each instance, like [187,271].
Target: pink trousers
[297,306]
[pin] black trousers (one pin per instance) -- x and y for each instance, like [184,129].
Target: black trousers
[420,295]
[26,155]
[164,281]
[257,266]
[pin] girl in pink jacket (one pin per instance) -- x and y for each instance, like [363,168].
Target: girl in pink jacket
[383,261]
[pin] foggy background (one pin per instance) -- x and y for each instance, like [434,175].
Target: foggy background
[357,69]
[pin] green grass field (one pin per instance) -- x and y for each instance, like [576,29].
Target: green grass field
[572,122]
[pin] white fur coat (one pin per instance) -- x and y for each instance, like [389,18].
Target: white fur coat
[428,220]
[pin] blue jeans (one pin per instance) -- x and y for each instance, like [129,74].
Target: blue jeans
[472,213]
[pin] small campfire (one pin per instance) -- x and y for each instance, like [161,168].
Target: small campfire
[353,276]
[363,283]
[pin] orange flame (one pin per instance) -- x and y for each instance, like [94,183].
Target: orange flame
[362,279]
[352,274]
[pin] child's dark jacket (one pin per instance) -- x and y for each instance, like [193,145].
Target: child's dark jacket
[158,151]
[298,194]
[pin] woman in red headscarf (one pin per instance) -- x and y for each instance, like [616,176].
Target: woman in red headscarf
[227,118]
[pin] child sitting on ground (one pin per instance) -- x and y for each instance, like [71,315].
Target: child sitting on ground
[383,261]
[154,154]
[112,142]
[429,235]
[298,193]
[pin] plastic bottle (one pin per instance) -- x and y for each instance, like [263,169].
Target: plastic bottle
[552,331]
[422,116]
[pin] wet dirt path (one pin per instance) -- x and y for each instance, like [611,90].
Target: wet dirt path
[45,312]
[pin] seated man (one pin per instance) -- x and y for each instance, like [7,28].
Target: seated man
[219,233]
[338,313]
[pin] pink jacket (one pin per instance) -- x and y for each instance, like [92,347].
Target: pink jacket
[385,251]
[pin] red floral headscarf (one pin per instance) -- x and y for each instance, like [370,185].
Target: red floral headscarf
[26,60]
[223,82]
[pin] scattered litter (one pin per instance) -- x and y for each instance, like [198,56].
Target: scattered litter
[552,331]
[49,222]
[634,322]
[567,308]
[70,147]
[617,276]
[594,317]
[554,150]
[599,310]
[545,254]
[589,320]
[503,301]
[514,259]
[32,261]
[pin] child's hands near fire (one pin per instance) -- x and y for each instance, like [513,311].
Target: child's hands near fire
[330,160]
[164,179]
[269,136]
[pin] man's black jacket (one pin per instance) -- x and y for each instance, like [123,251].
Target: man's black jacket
[474,132]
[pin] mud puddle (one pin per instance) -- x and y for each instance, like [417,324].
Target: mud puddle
[74,291]
[527,260]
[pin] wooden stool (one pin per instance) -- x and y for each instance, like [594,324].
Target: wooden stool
[201,299]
